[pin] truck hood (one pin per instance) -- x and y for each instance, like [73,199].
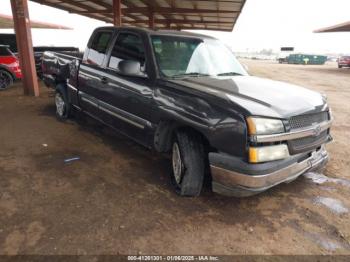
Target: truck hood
[259,96]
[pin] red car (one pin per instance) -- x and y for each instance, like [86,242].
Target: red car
[344,61]
[9,67]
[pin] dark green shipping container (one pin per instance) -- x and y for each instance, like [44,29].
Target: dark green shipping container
[304,59]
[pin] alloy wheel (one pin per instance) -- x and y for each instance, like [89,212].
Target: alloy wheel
[177,164]
[5,80]
[60,104]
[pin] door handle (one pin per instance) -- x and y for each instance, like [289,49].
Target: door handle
[104,80]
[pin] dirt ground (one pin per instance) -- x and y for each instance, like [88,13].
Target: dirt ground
[117,199]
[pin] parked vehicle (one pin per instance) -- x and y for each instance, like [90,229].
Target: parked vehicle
[306,59]
[344,61]
[9,67]
[10,41]
[187,95]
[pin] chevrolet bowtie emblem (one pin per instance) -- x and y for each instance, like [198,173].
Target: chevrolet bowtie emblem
[317,130]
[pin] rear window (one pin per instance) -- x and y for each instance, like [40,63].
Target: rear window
[99,47]
[101,41]
[4,51]
[10,40]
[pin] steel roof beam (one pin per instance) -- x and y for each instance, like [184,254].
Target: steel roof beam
[21,21]
[161,10]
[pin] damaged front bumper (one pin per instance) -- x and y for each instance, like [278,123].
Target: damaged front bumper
[233,177]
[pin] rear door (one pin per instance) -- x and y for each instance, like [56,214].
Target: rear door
[90,79]
[126,102]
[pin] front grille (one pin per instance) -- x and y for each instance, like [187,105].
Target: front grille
[302,121]
[301,142]
[309,143]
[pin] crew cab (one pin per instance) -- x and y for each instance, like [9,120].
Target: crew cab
[9,67]
[187,95]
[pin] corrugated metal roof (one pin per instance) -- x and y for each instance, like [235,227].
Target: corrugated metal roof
[344,27]
[6,22]
[169,14]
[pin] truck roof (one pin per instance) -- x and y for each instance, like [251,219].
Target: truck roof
[161,32]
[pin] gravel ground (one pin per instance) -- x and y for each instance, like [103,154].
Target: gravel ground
[117,199]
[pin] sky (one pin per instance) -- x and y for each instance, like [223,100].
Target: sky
[263,24]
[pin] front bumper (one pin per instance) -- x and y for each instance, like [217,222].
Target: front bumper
[233,177]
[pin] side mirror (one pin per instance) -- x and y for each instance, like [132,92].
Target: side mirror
[131,68]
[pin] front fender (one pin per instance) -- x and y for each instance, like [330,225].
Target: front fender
[225,130]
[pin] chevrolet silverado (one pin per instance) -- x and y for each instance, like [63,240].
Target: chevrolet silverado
[187,95]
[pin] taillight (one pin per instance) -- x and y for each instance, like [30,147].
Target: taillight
[14,64]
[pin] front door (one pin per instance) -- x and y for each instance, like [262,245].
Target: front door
[126,102]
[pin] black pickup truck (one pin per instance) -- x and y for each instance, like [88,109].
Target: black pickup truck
[186,94]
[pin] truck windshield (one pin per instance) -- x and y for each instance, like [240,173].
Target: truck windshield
[191,57]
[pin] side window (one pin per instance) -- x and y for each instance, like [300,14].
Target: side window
[127,47]
[99,47]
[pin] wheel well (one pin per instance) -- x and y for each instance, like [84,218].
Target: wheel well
[8,71]
[61,87]
[165,133]
[194,131]
[164,137]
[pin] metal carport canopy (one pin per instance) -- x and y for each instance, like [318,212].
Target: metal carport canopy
[161,14]
[6,22]
[344,27]
[218,15]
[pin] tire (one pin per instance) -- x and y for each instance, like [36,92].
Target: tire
[6,80]
[63,107]
[339,66]
[188,164]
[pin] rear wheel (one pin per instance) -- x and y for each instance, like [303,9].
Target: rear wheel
[62,105]
[339,66]
[6,79]
[188,163]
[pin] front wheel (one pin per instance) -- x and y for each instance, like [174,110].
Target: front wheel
[6,80]
[188,164]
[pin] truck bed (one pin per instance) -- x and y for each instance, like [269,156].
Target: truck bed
[39,51]
[55,66]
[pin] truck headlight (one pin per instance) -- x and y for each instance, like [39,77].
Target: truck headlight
[264,126]
[268,153]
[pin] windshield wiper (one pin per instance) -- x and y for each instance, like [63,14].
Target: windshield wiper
[230,74]
[192,74]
